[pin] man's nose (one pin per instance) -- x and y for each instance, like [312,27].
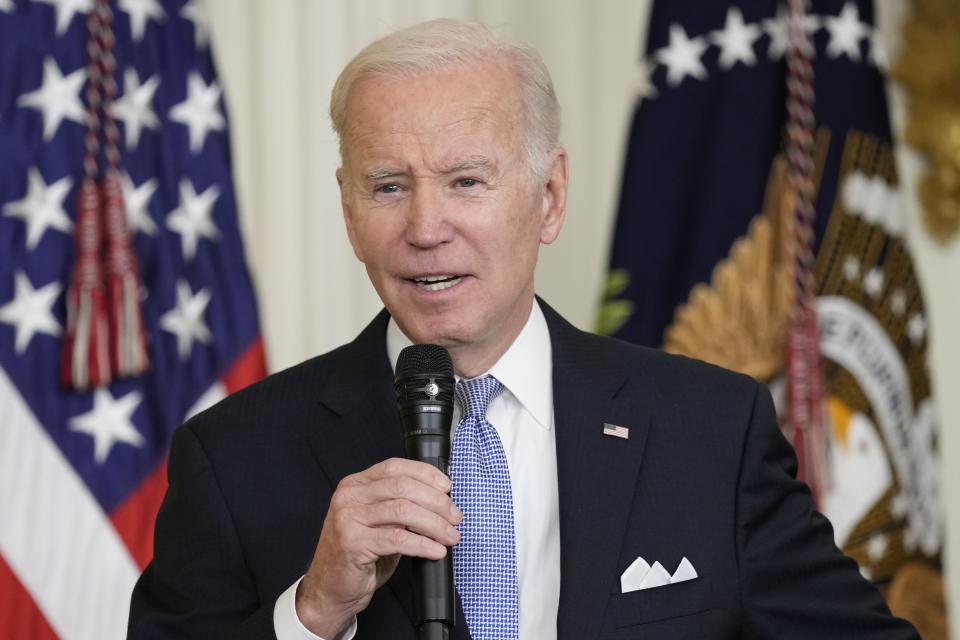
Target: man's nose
[427,220]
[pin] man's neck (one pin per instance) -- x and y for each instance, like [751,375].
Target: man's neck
[472,360]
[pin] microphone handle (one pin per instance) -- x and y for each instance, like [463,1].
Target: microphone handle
[434,630]
[434,602]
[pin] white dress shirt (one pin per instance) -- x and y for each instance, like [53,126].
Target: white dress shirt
[523,418]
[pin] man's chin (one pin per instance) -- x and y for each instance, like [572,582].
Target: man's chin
[436,329]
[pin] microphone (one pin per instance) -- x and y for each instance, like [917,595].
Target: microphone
[424,385]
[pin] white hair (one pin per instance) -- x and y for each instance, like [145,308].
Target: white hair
[436,44]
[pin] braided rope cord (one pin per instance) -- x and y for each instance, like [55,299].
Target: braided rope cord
[804,383]
[108,67]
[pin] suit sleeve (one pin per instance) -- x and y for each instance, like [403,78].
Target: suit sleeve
[795,582]
[197,585]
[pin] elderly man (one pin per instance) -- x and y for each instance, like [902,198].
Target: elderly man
[642,495]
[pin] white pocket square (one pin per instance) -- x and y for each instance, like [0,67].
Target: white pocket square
[641,575]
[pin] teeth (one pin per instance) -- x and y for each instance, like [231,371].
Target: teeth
[437,283]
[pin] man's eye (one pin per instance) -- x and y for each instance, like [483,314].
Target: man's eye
[388,188]
[466,182]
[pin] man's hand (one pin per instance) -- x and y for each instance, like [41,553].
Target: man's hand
[397,507]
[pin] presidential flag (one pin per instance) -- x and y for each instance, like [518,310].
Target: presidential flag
[82,466]
[704,257]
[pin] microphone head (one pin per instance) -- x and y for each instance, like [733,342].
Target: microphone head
[424,376]
[424,358]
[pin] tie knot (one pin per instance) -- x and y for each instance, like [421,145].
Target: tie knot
[475,395]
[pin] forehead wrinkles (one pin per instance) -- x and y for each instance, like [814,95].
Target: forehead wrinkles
[431,124]
[472,144]
[432,107]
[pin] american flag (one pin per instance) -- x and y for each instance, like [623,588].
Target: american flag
[82,473]
[616,431]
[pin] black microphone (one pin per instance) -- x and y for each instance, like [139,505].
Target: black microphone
[424,385]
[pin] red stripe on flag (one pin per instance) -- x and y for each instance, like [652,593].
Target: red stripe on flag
[248,368]
[19,615]
[134,519]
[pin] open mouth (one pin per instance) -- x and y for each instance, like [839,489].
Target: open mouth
[437,283]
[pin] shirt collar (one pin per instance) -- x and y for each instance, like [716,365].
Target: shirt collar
[526,369]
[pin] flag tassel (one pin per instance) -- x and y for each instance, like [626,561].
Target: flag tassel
[128,345]
[86,361]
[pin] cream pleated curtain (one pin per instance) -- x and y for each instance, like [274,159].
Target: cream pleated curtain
[278,60]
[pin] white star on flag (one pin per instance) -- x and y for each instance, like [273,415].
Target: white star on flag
[57,98]
[192,219]
[736,40]
[42,207]
[873,282]
[682,56]
[30,311]
[66,10]
[201,30]
[916,328]
[6,5]
[876,547]
[137,201]
[779,33]
[846,31]
[643,79]
[851,268]
[185,320]
[133,107]
[109,422]
[898,302]
[899,505]
[140,11]
[199,112]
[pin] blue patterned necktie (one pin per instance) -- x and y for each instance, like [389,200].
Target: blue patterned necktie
[485,560]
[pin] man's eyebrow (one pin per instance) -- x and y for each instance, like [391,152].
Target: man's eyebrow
[380,174]
[475,163]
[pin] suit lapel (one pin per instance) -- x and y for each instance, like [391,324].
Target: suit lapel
[358,390]
[597,473]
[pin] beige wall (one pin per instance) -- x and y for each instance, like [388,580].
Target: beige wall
[278,60]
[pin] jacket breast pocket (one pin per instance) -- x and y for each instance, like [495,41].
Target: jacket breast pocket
[662,603]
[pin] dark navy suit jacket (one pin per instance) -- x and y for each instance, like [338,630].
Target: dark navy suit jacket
[705,474]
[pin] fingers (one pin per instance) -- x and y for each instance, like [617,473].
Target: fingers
[387,541]
[400,467]
[405,490]
[397,506]
[405,514]
[399,480]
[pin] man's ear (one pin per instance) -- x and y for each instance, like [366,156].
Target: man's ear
[348,212]
[554,196]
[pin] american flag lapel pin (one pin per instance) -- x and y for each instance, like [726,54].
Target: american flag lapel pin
[616,431]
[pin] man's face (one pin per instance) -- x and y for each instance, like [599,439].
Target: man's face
[442,209]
